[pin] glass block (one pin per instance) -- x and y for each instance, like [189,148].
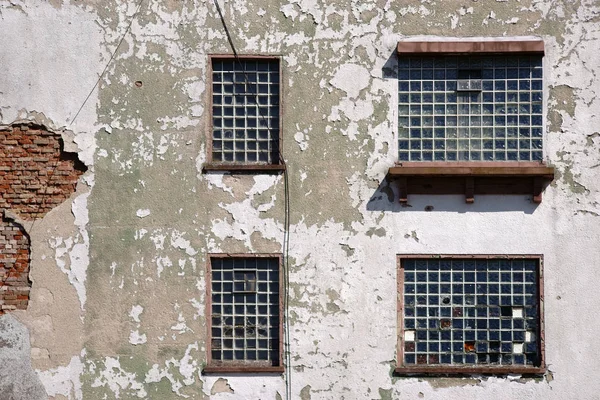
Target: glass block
[471,329]
[240,275]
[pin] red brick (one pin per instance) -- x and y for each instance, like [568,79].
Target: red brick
[33,180]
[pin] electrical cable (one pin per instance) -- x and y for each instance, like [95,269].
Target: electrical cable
[286,232]
[112,56]
[286,257]
[51,174]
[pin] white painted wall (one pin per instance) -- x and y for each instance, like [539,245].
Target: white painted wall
[126,269]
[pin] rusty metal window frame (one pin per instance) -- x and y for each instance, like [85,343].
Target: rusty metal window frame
[486,138]
[244,348]
[245,122]
[422,348]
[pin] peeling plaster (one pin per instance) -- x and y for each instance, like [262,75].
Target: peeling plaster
[64,381]
[119,381]
[221,386]
[339,141]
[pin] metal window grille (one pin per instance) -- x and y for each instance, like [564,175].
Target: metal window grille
[245,111]
[245,310]
[475,312]
[467,108]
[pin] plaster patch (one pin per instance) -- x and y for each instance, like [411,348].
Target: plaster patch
[43,76]
[179,242]
[187,368]
[303,176]
[354,110]
[135,312]
[180,326]
[77,249]
[262,183]
[115,378]
[289,11]
[302,140]
[140,233]
[64,381]
[351,78]
[246,221]
[142,213]
[163,146]
[161,263]
[216,180]
[158,238]
[136,338]
[221,386]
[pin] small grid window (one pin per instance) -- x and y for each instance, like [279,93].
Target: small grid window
[245,111]
[470,108]
[245,312]
[465,312]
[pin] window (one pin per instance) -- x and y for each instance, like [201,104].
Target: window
[470,118]
[470,314]
[245,332]
[470,108]
[246,112]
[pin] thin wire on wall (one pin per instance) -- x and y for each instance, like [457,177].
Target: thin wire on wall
[286,233]
[112,56]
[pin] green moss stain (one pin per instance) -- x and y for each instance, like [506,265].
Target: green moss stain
[305,393]
[412,235]
[380,232]
[567,176]
[348,250]
[438,383]
[564,96]
[386,394]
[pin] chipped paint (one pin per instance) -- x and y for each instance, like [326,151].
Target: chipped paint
[118,271]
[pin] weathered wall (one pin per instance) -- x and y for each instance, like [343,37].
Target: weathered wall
[14,266]
[117,269]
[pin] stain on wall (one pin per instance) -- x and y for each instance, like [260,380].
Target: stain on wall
[117,306]
[36,174]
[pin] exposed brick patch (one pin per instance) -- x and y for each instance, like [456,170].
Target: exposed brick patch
[36,174]
[14,267]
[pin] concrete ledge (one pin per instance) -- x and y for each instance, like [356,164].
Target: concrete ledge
[435,47]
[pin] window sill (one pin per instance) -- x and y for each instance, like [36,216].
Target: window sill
[242,369]
[439,370]
[471,178]
[244,168]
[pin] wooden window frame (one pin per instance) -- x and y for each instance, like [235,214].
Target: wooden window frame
[439,370]
[210,165]
[247,367]
[471,177]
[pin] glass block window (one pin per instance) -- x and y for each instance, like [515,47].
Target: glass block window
[470,108]
[245,307]
[470,312]
[245,110]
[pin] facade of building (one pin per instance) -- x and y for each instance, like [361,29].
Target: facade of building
[299,199]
